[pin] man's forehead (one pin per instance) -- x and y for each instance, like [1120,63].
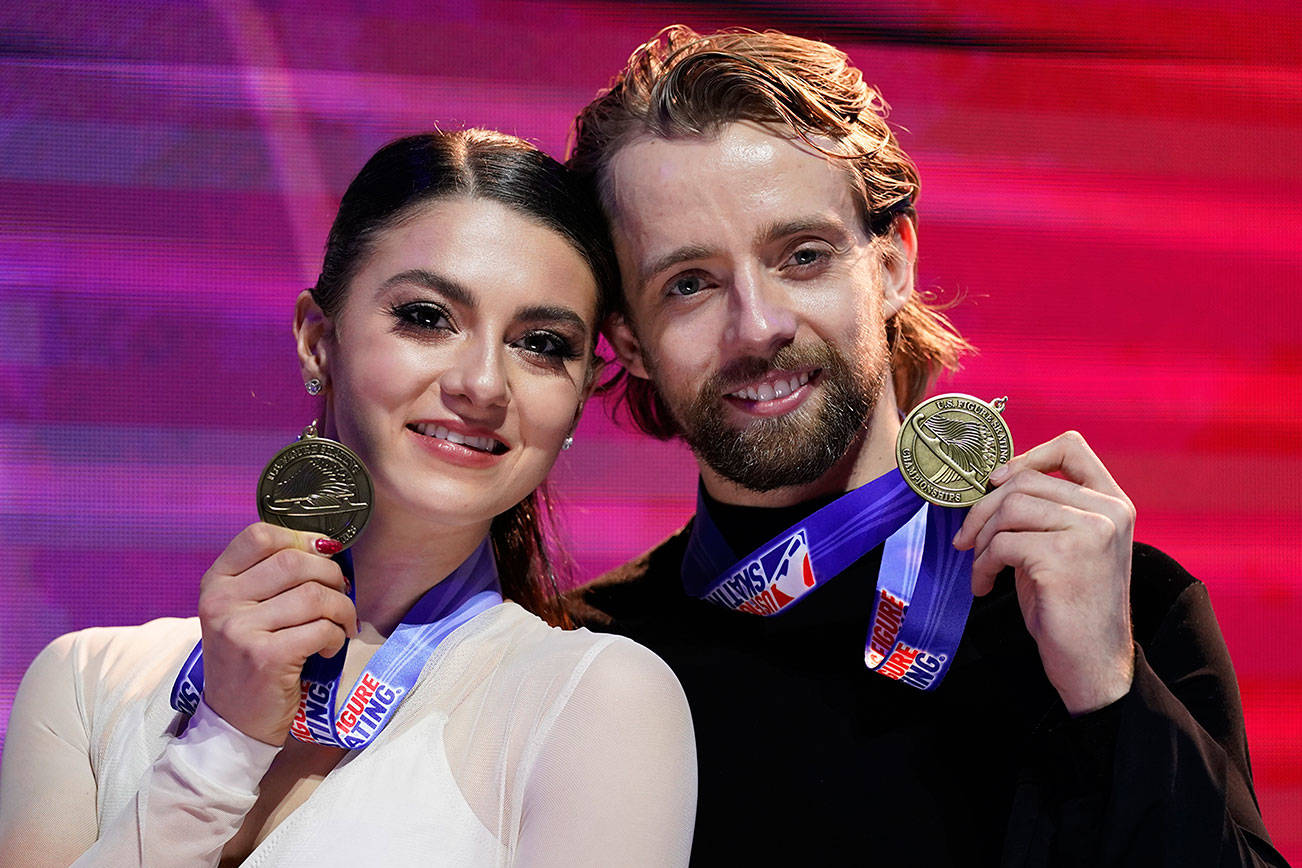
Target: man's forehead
[744,179]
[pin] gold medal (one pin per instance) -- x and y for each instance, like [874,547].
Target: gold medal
[949,444]
[318,485]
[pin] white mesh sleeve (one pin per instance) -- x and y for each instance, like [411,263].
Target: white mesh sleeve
[47,789]
[614,782]
[190,801]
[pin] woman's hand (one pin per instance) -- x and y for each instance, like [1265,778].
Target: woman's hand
[272,599]
[1069,542]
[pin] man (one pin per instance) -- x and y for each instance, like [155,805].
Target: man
[763,215]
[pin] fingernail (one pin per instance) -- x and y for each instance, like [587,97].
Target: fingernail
[999,473]
[329,546]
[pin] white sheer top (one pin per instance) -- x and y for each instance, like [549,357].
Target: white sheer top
[520,744]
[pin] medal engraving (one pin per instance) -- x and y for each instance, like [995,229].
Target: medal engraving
[949,444]
[318,485]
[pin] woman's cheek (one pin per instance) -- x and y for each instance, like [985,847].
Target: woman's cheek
[550,414]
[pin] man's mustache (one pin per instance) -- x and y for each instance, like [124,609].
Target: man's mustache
[741,371]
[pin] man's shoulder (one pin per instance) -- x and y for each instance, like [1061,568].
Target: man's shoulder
[1158,586]
[644,587]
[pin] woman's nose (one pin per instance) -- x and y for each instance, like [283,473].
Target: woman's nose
[477,374]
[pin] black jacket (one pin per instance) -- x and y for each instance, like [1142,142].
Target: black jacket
[807,758]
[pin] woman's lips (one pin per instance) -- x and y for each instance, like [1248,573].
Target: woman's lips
[463,448]
[483,443]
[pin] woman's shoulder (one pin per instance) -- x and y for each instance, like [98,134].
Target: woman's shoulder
[160,637]
[610,666]
[119,655]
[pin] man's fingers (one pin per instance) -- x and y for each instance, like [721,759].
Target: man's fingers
[1034,484]
[1087,484]
[1006,549]
[1020,511]
[1070,455]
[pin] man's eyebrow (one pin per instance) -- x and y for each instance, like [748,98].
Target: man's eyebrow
[448,288]
[775,231]
[682,254]
[778,230]
[551,313]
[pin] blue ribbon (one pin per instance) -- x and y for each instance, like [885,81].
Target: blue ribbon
[923,585]
[389,675]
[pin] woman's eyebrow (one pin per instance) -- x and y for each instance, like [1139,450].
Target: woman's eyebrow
[448,288]
[550,313]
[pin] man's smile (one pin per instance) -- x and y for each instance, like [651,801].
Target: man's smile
[776,393]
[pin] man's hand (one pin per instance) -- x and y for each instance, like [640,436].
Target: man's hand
[272,599]
[1069,542]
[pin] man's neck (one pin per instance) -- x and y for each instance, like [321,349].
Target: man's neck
[871,455]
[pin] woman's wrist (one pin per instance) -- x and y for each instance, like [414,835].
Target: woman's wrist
[224,756]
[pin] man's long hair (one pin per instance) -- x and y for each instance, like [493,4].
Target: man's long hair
[682,84]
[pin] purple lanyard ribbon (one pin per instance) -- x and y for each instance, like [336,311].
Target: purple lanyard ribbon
[389,675]
[923,585]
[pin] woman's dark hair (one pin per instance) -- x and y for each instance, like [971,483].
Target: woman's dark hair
[416,170]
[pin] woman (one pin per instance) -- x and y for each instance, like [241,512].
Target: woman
[451,333]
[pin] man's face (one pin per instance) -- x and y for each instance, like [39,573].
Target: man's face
[756,299]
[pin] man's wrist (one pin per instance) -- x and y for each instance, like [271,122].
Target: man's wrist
[1108,685]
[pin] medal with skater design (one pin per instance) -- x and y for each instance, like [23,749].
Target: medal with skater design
[949,444]
[318,485]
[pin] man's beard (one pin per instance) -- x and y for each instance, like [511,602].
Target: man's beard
[795,448]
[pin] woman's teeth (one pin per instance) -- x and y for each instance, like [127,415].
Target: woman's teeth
[483,444]
[769,391]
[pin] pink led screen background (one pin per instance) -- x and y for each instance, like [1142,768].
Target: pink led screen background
[1113,190]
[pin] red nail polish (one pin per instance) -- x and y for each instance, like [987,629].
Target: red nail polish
[329,546]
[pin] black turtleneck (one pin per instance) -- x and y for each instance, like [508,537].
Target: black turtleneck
[807,758]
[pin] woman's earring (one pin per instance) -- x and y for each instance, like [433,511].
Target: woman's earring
[313,386]
[569,441]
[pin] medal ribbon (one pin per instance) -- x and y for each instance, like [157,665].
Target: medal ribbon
[389,675]
[923,585]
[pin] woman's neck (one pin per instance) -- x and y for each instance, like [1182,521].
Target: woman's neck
[394,566]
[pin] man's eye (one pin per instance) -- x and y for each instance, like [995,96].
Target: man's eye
[688,284]
[807,256]
[547,344]
[422,315]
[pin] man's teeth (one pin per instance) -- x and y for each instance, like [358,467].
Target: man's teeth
[769,391]
[483,444]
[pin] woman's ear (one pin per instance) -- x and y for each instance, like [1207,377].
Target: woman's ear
[312,330]
[899,266]
[626,345]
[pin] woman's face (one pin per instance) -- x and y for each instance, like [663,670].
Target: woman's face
[459,359]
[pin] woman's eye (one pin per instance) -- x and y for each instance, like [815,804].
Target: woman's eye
[688,284]
[422,315]
[546,344]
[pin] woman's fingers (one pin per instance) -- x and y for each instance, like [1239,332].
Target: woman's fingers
[261,540]
[303,604]
[322,636]
[272,599]
[287,569]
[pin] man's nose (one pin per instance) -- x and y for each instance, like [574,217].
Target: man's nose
[477,374]
[762,319]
